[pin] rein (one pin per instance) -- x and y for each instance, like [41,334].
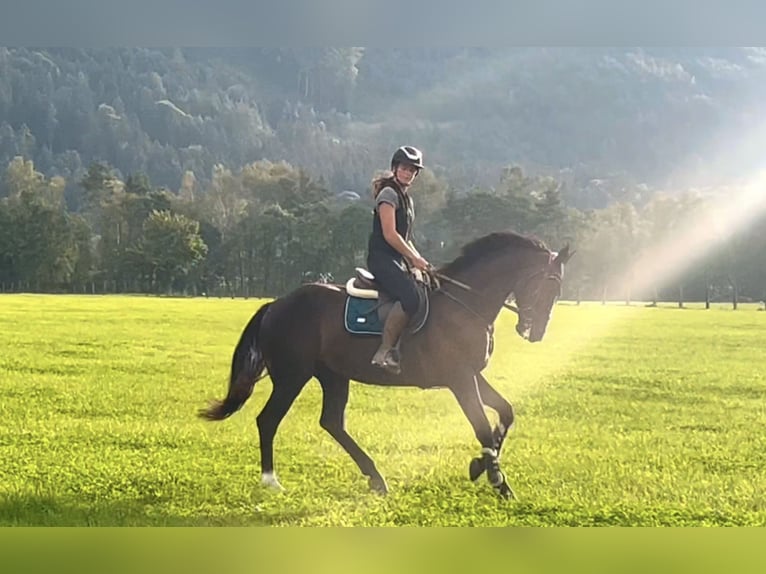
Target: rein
[507,305]
[448,279]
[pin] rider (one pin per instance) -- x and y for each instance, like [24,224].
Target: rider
[390,245]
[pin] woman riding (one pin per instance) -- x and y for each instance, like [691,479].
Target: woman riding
[390,250]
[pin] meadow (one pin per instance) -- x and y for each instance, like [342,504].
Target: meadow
[626,415]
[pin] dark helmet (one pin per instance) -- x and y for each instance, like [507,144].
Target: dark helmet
[408,155]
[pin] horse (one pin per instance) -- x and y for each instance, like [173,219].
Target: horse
[301,335]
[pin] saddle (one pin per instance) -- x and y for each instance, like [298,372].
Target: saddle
[367,305]
[363,285]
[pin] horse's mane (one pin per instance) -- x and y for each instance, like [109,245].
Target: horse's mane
[489,244]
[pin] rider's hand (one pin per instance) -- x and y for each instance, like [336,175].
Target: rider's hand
[421,264]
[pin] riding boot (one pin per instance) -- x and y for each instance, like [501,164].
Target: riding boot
[387,355]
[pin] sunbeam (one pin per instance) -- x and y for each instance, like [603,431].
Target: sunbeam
[730,210]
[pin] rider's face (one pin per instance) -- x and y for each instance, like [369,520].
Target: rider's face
[405,173]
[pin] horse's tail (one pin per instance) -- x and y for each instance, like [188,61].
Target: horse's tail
[247,366]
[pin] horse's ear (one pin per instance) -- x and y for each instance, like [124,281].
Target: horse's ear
[564,255]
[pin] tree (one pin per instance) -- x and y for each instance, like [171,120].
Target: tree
[349,234]
[38,243]
[327,76]
[607,247]
[8,248]
[268,183]
[430,195]
[269,236]
[171,248]
[552,216]
[138,184]
[20,177]
[98,184]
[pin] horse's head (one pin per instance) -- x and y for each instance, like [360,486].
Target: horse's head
[536,293]
[503,263]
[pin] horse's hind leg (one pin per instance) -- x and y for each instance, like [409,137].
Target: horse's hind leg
[284,392]
[495,400]
[467,394]
[334,401]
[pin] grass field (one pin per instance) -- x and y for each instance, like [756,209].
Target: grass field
[625,416]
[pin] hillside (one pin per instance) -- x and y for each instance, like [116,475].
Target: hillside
[623,116]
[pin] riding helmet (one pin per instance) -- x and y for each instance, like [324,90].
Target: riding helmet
[407,154]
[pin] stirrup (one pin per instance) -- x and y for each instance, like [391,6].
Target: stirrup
[391,362]
[379,362]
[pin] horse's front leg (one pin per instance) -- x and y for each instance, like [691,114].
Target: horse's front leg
[495,400]
[466,392]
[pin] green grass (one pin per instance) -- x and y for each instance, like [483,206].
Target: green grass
[625,416]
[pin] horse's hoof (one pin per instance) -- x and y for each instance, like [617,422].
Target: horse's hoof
[269,480]
[506,491]
[378,485]
[475,469]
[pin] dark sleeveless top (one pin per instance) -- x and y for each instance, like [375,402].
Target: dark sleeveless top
[405,215]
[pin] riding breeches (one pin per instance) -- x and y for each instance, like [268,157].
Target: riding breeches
[395,280]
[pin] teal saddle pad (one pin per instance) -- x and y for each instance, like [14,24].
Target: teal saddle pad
[361,316]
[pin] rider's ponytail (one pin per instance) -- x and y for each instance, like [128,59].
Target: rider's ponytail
[385,179]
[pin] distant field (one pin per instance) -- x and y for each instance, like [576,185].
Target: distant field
[625,416]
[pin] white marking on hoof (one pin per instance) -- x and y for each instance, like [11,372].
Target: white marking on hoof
[270,479]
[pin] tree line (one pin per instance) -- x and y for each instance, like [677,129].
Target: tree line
[270,226]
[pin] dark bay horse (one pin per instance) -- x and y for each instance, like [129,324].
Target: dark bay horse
[301,335]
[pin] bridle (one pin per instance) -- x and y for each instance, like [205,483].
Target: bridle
[535,298]
[523,311]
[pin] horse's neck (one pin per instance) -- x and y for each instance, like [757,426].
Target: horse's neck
[491,282]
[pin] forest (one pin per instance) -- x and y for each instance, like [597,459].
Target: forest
[245,172]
